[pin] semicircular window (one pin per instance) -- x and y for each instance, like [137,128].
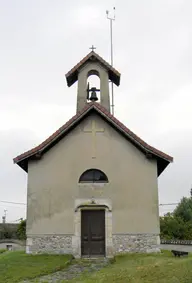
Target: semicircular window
[93,176]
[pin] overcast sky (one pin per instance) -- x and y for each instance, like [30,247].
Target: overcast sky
[41,40]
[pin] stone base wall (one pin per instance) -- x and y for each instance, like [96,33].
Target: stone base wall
[141,243]
[51,244]
[121,243]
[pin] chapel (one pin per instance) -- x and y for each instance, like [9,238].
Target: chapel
[92,185]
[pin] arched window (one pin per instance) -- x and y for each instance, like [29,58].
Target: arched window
[93,176]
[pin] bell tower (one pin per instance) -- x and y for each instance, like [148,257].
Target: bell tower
[90,65]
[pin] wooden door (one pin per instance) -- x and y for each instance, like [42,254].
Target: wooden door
[93,232]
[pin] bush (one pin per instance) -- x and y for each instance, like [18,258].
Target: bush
[21,231]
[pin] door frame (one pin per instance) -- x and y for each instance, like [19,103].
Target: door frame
[76,239]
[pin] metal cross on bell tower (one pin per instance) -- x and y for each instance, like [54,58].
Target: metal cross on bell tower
[92,48]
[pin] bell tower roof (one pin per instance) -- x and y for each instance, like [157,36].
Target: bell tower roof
[72,75]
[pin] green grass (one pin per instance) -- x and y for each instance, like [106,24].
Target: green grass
[2,251]
[17,266]
[130,268]
[142,268]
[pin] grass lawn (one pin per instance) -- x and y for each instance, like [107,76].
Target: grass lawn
[142,268]
[17,266]
[130,268]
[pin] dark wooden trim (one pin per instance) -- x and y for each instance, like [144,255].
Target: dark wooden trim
[149,155]
[38,156]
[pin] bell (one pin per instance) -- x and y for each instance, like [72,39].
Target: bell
[93,94]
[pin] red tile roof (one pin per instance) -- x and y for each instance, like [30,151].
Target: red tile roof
[114,75]
[75,119]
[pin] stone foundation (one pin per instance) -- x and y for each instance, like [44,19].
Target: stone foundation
[140,243]
[120,243]
[51,244]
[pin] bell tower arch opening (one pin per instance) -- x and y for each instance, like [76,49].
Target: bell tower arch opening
[93,86]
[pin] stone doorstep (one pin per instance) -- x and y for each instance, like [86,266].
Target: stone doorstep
[94,257]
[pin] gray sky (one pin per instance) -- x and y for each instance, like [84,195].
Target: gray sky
[41,40]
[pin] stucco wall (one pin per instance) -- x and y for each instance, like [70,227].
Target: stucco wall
[14,246]
[53,183]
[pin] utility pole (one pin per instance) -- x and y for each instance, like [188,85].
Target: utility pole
[111,19]
[4,216]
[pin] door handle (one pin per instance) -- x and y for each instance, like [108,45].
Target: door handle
[97,238]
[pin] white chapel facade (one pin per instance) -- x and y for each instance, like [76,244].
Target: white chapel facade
[92,186]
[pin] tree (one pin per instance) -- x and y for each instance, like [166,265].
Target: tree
[21,231]
[184,209]
[6,232]
[173,227]
[178,225]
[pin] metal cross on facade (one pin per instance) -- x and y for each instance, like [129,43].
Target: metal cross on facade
[92,48]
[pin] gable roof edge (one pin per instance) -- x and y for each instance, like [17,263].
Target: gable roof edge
[81,114]
[72,75]
[145,147]
[75,119]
